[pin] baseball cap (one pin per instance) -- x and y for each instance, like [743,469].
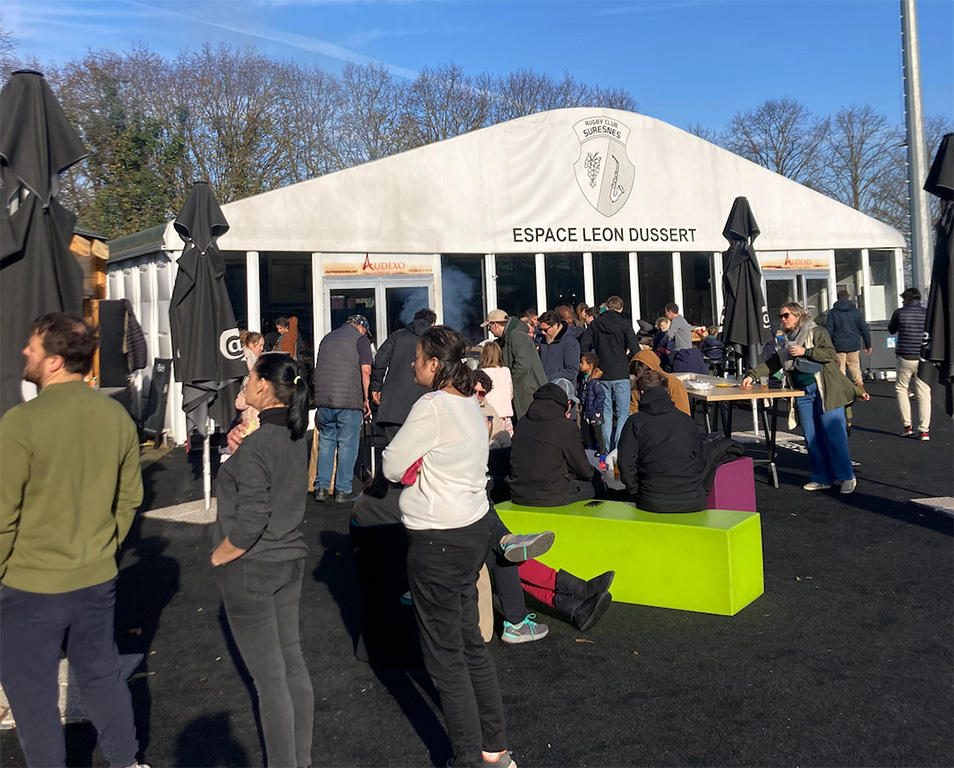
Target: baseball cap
[567,386]
[359,320]
[496,316]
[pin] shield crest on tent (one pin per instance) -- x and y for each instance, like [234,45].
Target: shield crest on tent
[603,170]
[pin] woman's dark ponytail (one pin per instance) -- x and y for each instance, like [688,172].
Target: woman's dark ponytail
[448,347]
[281,371]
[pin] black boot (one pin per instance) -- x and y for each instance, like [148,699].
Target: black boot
[573,586]
[583,613]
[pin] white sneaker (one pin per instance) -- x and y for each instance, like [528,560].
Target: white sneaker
[813,486]
[848,486]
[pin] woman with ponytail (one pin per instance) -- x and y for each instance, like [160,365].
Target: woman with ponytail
[259,555]
[441,454]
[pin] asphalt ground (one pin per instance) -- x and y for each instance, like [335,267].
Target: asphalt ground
[845,660]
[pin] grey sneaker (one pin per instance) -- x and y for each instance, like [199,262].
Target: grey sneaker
[520,547]
[504,760]
[813,486]
[525,632]
[848,486]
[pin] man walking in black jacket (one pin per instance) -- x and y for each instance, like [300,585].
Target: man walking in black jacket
[393,388]
[845,326]
[613,339]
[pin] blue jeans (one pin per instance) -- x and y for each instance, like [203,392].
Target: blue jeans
[617,393]
[32,628]
[337,428]
[826,437]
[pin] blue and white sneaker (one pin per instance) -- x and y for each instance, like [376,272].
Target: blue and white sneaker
[527,631]
[518,548]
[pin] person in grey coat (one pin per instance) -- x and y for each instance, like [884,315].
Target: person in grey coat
[393,388]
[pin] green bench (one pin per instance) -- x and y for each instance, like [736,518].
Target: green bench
[707,561]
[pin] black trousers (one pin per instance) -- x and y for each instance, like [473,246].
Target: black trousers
[261,602]
[442,567]
[506,575]
[32,628]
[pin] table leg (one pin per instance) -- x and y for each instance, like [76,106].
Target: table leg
[770,432]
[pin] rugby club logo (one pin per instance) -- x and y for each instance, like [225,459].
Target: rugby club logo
[604,171]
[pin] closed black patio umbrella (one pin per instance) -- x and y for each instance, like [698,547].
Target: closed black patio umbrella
[38,274]
[206,348]
[745,319]
[937,352]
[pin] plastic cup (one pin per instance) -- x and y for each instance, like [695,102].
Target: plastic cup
[764,382]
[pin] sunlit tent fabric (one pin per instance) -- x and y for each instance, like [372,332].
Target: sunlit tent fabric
[745,318]
[38,274]
[938,347]
[207,351]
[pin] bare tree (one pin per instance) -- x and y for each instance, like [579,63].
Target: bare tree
[445,102]
[229,103]
[783,136]
[375,120]
[314,108]
[860,151]
[698,129]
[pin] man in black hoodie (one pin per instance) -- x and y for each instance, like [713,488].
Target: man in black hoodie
[660,453]
[548,467]
[613,339]
[845,325]
[392,378]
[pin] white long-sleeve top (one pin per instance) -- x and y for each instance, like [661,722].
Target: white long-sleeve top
[450,434]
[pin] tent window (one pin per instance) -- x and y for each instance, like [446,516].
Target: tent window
[655,284]
[464,294]
[564,273]
[848,275]
[287,291]
[883,295]
[611,278]
[696,288]
[516,283]
[236,283]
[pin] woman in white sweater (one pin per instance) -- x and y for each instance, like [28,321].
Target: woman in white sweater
[441,453]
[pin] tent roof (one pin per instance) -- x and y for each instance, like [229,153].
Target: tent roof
[477,192]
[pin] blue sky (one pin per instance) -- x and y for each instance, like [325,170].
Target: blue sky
[686,61]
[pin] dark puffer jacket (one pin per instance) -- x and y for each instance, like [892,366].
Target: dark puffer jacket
[561,357]
[845,325]
[908,323]
[613,339]
[393,376]
[660,457]
[338,370]
[546,451]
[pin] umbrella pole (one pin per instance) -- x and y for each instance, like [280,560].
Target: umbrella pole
[207,465]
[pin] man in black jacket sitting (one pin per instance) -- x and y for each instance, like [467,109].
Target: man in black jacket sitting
[660,455]
[548,467]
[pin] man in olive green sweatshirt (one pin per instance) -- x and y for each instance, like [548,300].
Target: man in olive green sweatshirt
[69,490]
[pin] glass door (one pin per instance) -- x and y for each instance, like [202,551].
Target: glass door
[402,302]
[816,298]
[778,291]
[345,301]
